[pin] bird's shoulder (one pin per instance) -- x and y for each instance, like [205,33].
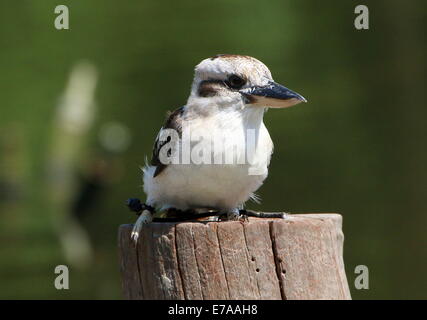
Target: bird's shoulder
[173,121]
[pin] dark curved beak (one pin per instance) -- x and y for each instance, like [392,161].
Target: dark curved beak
[272,95]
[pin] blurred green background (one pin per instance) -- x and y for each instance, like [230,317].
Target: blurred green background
[80,109]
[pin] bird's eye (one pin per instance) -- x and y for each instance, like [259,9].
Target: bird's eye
[235,81]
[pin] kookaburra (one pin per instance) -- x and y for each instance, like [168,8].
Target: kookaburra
[214,152]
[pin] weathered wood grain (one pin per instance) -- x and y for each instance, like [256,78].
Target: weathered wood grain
[258,242]
[307,258]
[158,264]
[187,262]
[235,258]
[131,282]
[209,261]
[299,257]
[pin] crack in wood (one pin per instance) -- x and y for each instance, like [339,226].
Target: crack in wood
[139,272]
[276,262]
[178,264]
[222,262]
[253,259]
[195,258]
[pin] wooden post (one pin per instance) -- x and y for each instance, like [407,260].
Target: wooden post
[300,257]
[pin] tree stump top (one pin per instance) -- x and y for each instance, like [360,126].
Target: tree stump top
[299,257]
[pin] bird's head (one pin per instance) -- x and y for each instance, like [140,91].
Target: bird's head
[229,79]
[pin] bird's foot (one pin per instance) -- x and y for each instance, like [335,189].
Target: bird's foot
[145,218]
[233,215]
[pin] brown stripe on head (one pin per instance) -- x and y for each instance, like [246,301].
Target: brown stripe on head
[247,98]
[209,88]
